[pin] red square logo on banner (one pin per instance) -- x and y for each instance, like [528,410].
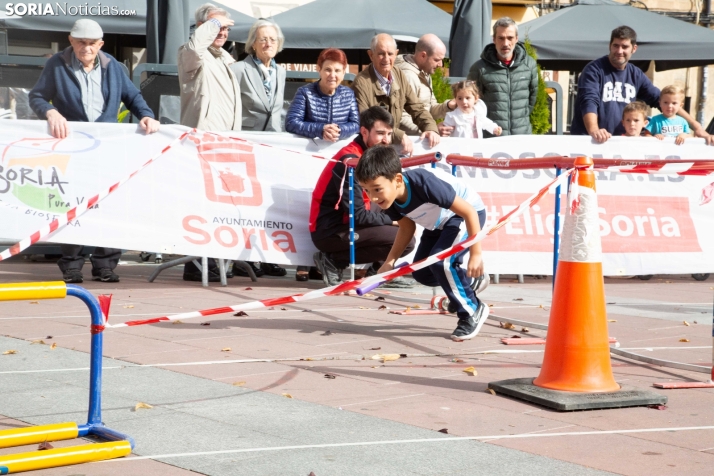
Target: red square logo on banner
[229,172]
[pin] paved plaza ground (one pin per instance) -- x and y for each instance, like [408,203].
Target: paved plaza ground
[328,408]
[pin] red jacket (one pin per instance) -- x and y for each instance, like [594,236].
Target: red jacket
[330,205]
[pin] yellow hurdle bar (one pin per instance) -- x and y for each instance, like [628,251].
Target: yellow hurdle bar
[63,456]
[25,291]
[37,434]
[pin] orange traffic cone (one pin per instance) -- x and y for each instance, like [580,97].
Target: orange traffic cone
[577,354]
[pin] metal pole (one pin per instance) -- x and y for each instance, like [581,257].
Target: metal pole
[352,223]
[94,416]
[556,227]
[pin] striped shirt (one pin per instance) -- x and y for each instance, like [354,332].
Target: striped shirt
[385,83]
[90,83]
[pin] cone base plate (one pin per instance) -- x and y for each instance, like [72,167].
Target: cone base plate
[523,389]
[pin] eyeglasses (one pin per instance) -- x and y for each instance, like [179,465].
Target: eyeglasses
[267,40]
[225,28]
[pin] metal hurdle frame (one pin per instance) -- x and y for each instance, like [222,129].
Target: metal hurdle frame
[118,444]
[432,159]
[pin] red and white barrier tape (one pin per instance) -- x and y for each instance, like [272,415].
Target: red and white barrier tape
[350,285]
[672,168]
[75,212]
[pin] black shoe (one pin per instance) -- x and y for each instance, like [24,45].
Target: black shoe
[198,276]
[72,276]
[315,273]
[469,327]
[105,275]
[229,272]
[273,269]
[238,271]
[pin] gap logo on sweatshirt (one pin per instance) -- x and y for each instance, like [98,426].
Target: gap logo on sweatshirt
[614,92]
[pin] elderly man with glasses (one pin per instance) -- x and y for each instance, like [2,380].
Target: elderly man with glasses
[210,95]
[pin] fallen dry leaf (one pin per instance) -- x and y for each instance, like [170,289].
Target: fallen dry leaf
[507,325]
[490,305]
[240,314]
[362,307]
[130,306]
[45,445]
[53,346]
[386,357]
[382,307]
[612,320]
[407,309]
[330,376]
[141,405]
[205,324]
[307,310]
[48,337]
[685,323]
[525,329]
[491,391]
[694,322]
[375,348]
[470,371]
[368,295]
[34,302]
[283,309]
[239,384]
[668,282]
[226,349]
[178,321]
[327,333]
[9,352]
[444,430]
[287,395]
[518,299]
[380,298]
[683,340]
[37,342]
[416,306]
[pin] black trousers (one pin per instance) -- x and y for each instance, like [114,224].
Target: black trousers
[371,246]
[101,258]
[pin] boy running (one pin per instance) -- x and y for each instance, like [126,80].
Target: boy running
[449,213]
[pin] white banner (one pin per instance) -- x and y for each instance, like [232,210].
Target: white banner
[249,199]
